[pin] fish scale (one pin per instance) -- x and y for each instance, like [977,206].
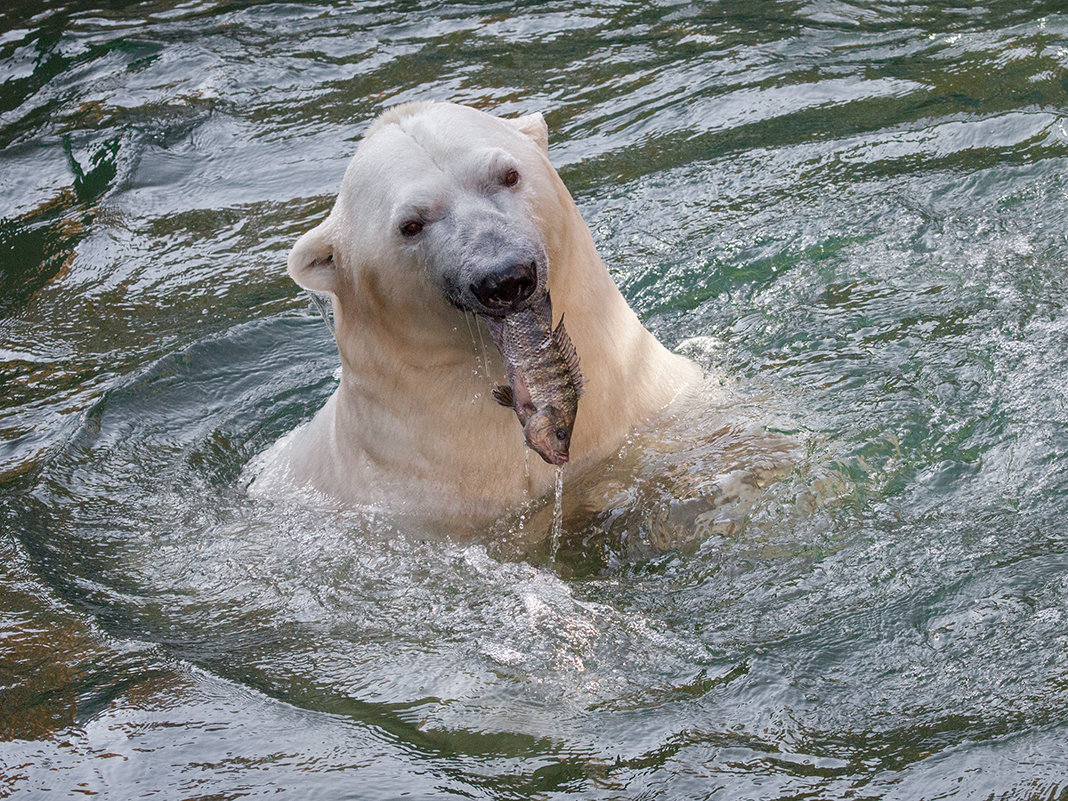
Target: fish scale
[544,377]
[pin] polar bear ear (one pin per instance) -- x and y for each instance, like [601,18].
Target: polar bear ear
[533,125]
[311,261]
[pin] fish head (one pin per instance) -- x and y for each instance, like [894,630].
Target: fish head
[548,433]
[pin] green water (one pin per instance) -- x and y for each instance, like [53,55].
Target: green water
[859,206]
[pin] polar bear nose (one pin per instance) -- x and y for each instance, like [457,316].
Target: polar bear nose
[505,289]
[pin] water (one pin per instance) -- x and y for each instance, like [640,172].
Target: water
[558,515]
[856,208]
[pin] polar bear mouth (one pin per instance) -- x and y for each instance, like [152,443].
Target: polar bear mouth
[498,290]
[506,290]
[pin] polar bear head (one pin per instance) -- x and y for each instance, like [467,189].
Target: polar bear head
[442,206]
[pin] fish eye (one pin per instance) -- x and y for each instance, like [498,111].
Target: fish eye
[410,228]
[561,434]
[510,178]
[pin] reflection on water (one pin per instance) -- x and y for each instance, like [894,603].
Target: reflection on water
[840,571]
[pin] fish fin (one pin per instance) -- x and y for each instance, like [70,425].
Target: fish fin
[504,396]
[567,350]
[524,413]
[524,404]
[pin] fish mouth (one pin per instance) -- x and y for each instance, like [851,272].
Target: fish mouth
[553,457]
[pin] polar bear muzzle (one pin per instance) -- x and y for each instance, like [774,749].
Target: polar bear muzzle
[485,257]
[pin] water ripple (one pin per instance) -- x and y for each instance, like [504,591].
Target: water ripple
[850,210]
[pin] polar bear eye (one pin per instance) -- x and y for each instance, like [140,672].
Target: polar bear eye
[411,227]
[510,178]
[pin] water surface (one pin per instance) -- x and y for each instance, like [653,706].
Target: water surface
[858,207]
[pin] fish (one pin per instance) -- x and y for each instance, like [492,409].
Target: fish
[544,377]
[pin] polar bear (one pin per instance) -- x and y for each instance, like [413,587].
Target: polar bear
[447,215]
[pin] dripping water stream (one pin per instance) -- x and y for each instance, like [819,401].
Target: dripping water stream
[471,325]
[558,514]
[482,350]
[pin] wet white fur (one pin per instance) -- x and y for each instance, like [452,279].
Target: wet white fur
[412,427]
